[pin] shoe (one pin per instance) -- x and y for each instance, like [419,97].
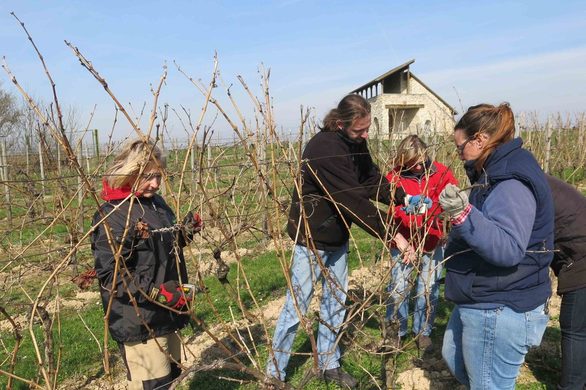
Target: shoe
[271,384]
[340,377]
[424,343]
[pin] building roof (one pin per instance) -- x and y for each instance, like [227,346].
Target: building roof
[380,78]
[401,68]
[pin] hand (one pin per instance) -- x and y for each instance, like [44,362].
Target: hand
[417,204]
[407,251]
[415,200]
[170,294]
[192,223]
[453,200]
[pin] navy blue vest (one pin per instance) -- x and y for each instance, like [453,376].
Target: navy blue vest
[471,280]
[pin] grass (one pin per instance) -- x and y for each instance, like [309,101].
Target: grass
[80,355]
[82,358]
[542,366]
[263,272]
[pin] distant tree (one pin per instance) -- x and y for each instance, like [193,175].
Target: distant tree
[10,113]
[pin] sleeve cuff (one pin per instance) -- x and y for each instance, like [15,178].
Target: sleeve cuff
[462,216]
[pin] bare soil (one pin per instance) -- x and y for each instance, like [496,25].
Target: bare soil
[425,374]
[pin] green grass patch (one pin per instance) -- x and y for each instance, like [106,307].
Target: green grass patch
[79,351]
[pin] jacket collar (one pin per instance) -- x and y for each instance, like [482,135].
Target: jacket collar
[108,193]
[498,154]
[350,142]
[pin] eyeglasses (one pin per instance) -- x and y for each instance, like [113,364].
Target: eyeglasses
[152,175]
[460,148]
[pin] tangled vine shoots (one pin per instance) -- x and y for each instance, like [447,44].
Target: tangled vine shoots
[242,187]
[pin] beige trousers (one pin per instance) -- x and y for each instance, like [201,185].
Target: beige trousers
[151,360]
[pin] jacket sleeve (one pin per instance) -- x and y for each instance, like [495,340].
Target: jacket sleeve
[500,232]
[105,262]
[336,176]
[377,186]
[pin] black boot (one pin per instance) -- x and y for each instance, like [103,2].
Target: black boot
[340,377]
[391,338]
[424,344]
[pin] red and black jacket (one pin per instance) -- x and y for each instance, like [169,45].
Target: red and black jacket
[428,227]
[145,263]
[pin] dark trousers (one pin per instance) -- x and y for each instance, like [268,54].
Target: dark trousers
[573,326]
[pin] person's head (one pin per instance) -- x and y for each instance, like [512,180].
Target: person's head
[137,157]
[352,116]
[481,129]
[412,154]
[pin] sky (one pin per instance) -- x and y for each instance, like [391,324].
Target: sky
[530,53]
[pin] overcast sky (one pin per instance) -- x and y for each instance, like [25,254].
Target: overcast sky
[529,53]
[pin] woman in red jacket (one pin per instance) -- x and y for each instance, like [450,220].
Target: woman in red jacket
[420,223]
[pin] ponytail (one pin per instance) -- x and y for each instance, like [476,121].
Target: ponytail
[329,123]
[498,122]
[350,108]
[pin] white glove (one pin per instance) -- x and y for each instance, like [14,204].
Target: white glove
[453,200]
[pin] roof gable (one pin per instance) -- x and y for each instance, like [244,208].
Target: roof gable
[380,78]
[398,69]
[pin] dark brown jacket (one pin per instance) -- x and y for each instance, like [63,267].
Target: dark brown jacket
[338,180]
[569,263]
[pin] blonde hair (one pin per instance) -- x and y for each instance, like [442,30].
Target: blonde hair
[135,156]
[411,150]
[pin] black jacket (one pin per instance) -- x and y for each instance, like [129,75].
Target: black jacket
[145,263]
[569,263]
[338,179]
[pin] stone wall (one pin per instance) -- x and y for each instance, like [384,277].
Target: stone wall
[424,113]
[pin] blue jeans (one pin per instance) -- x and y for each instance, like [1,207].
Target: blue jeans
[573,327]
[428,273]
[305,272]
[485,348]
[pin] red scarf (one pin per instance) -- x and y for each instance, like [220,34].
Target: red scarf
[109,193]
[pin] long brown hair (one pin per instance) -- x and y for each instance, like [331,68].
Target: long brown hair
[498,122]
[350,108]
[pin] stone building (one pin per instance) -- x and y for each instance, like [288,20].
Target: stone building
[402,104]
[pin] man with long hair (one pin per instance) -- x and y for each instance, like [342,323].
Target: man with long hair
[337,181]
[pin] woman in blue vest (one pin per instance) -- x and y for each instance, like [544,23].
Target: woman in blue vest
[498,252]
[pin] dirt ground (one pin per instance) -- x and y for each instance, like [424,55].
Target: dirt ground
[426,374]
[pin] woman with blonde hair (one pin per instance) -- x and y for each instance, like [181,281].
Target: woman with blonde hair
[419,222]
[137,246]
[498,252]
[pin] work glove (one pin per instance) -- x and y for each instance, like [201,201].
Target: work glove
[192,223]
[170,294]
[417,204]
[453,200]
